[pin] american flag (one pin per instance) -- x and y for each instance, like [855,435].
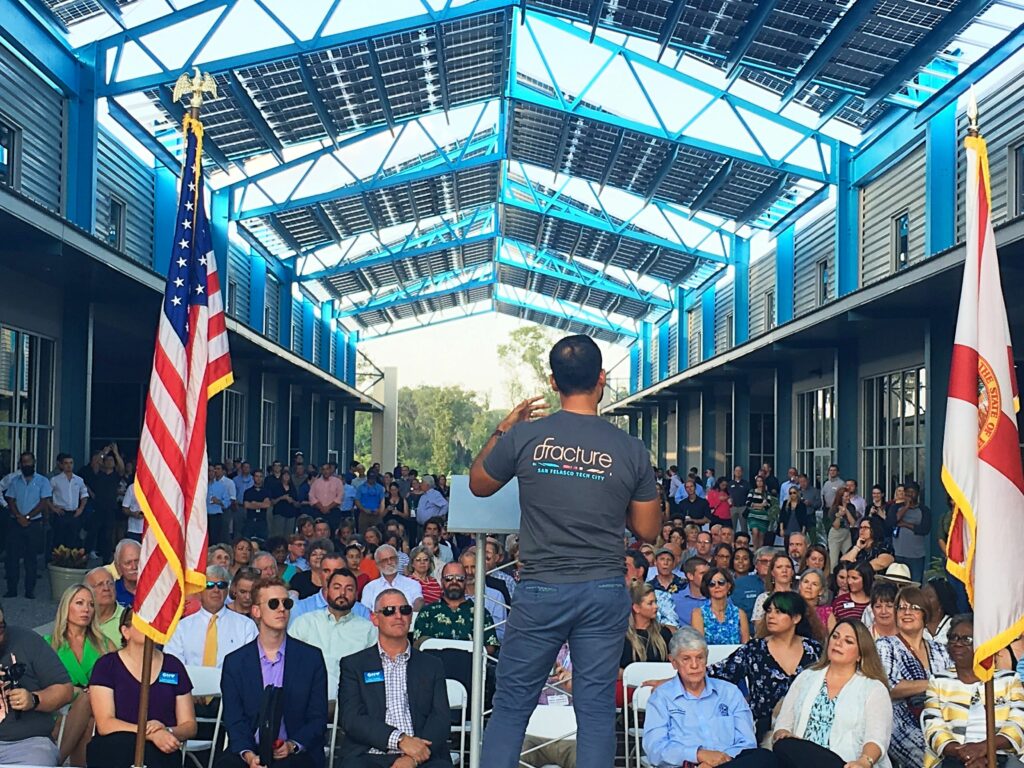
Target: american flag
[191,364]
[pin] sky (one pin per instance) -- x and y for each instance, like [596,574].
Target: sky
[464,353]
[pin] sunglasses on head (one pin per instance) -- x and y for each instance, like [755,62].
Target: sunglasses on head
[389,610]
[217,584]
[276,602]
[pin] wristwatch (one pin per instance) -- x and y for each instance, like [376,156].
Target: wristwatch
[292,747]
[497,433]
[35,701]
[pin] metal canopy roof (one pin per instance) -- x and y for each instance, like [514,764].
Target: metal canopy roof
[696,152]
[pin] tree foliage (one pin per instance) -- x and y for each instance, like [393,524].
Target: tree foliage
[525,359]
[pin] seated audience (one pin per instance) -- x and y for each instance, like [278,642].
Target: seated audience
[719,620]
[386,558]
[307,582]
[954,708]
[852,603]
[692,599]
[812,589]
[837,714]
[694,719]
[451,617]
[880,617]
[356,561]
[336,629]
[767,665]
[241,591]
[108,610]
[750,576]
[273,667]
[207,636]
[494,557]
[421,565]
[494,600]
[265,564]
[909,659]
[796,548]
[79,644]
[646,639]
[722,556]
[241,552]
[219,554]
[667,580]
[394,701]
[781,578]
[817,557]
[329,563]
[636,573]
[941,600]
[296,557]
[114,693]
[126,562]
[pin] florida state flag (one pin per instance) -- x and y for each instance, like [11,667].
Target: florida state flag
[981,452]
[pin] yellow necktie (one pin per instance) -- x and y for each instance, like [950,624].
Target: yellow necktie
[210,646]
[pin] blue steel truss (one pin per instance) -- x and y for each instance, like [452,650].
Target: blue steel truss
[432,287]
[568,312]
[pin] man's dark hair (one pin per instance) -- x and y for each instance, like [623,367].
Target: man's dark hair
[438,521]
[692,564]
[62,456]
[637,558]
[218,464]
[575,363]
[341,573]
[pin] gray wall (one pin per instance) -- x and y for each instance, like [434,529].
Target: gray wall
[814,241]
[723,307]
[899,189]
[239,266]
[120,173]
[762,279]
[273,309]
[38,111]
[693,317]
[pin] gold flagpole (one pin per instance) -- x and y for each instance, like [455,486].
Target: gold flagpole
[185,87]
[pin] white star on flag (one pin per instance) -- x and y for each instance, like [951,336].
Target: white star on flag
[188,205]
[182,262]
[178,282]
[199,289]
[176,301]
[191,186]
[202,260]
[186,224]
[184,245]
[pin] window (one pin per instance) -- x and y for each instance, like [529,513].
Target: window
[268,434]
[893,429]
[762,441]
[815,432]
[900,241]
[26,398]
[730,331]
[822,292]
[332,430]
[232,298]
[769,310]
[1018,179]
[10,138]
[693,328]
[233,444]
[332,352]
[115,223]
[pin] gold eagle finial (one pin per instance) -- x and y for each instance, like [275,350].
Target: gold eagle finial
[195,86]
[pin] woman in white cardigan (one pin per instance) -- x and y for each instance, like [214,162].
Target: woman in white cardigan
[838,713]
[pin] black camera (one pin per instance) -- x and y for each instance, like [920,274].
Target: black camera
[10,678]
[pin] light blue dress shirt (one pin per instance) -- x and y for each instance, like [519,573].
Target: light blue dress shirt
[28,492]
[678,724]
[317,602]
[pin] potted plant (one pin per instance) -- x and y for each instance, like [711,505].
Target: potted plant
[67,566]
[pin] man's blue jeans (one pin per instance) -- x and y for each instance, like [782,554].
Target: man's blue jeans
[591,616]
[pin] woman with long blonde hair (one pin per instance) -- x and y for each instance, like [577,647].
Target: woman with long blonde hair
[79,644]
[646,639]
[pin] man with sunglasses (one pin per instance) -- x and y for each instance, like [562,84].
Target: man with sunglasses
[451,617]
[207,636]
[274,660]
[394,700]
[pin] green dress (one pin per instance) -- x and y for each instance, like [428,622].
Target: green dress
[79,671]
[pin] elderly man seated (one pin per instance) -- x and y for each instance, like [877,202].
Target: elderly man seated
[126,562]
[697,721]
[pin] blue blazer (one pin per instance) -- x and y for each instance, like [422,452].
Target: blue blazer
[304,707]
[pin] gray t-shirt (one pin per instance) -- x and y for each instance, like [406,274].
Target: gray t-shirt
[907,543]
[42,669]
[577,475]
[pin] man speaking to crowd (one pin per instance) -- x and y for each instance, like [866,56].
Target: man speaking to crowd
[581,482]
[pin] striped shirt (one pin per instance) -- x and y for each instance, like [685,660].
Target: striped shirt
[947,711]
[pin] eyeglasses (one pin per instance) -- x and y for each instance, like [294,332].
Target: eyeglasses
[276,602]
[216,584]
[904,608]
[960,640]
[718,583]
[388,560]
[389,610]
[458,579]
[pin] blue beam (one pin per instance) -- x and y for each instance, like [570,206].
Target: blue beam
[844,28]
[82,135]
[34,39]
[741,290]
[127,120]
[594,17]
[308,318]
[432,168]
[319,42]
[165,210]
[682,330]
[634,367]
[663,329]
[663,172]
[754,24]
[668,27]
[715,183]
[426,321]
[220,204]
[254,116]
[940,182]
[351,359]
[785,264]
[647,348]
[112,10]
[257,292]
[808,205]
[326,315]
[408,297]
[570,271]
[569,313]
[890,140]
[847,227]
[707,322]
[526,94]
[934,40]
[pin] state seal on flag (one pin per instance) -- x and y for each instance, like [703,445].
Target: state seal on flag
[989,402]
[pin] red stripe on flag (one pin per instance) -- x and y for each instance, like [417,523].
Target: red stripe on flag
[963,374]
[1002,451]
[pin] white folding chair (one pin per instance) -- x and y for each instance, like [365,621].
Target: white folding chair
[458,699]
[63,712]
[717,653]
[333,728]
[440,643]
[205,682]
[633,677]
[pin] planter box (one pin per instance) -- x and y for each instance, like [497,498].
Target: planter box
[61,578]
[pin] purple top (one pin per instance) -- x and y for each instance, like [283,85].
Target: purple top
[173,681]
[273,674]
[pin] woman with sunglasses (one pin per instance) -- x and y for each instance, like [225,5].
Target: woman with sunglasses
[114,694]
[721,622]
[871,546]
[837,714]
[792,514]
[954,708]
[768,664]
[909,659]
[421,569]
